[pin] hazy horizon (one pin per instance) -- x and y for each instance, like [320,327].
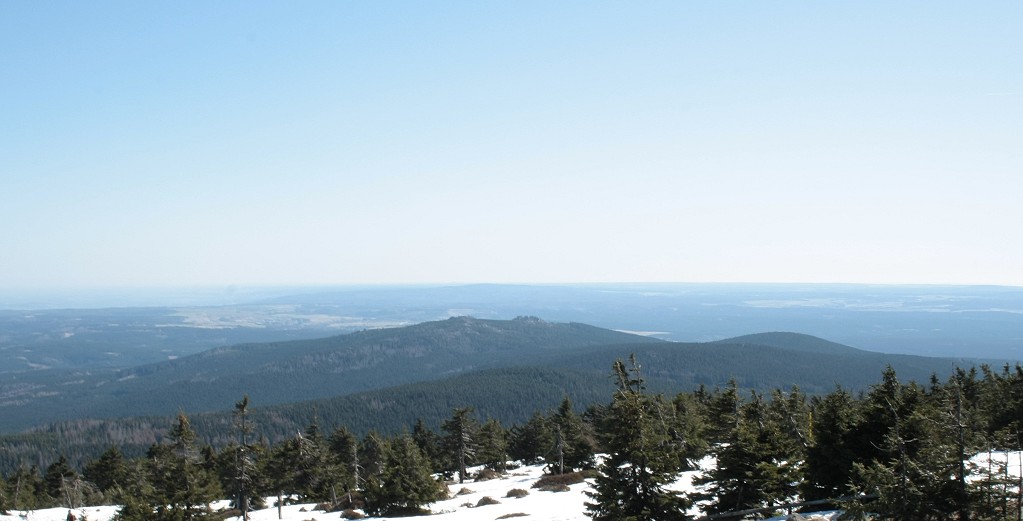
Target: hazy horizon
[226,295]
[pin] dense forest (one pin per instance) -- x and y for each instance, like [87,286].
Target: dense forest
[901,450]
[277,373]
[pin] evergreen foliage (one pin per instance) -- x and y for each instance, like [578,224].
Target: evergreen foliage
[58,480]
[755,466]
[492,448]
[642,456]
[27,489]
[244,464]
[691,427]
[109,472]
[373,456]
[5,496]
[461,441]
[406,484]
[429,442]
[833,449]
[574,441]
[902,450]
[180,484]
[344,459]
[532,441]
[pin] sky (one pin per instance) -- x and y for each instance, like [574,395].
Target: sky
[166,144]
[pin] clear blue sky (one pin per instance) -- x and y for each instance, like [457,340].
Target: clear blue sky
[239,143]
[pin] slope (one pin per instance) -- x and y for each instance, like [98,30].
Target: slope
[793,342]
[509,394]
[282,372]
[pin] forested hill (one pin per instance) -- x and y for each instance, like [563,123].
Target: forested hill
[513,393]
[282,372]
[794,342]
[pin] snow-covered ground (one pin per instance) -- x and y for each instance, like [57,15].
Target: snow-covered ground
[537,505]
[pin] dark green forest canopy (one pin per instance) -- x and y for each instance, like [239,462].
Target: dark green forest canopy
[289,372]
[285,372]
[900,446]
[385,380]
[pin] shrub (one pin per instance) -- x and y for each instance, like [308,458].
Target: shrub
[487,475]
[350,513]
[517,492]
[463,492]
[487,500]
[560,482]
[352,501]
[223,514]
[517,514]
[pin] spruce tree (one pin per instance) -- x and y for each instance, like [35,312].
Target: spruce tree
[532,441]
[59,475]
[281,468]
[244,464]
[135,495]
[406,484]
[373,456]
[429,442]
[28,491]
[723,411]
[108,472]
[461,440]
[5,497]
[691,426]
[911,471]
[642,456]
[312,479]
[493,446]
[832,450]
[755,466]
[344,455]
[573,445]
[182,486]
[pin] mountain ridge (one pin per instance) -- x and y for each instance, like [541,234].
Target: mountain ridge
[282,372]
[526,380]
[793,342]
[301,370]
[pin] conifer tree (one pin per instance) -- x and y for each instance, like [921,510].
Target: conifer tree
[754,467]
[312,477]
[832,451]
[791,412]
[135,495]
[573,445]
[429,442]
[461,442]
[182,486]
[642,456]
[532,441]
[911,470]
[344,453]
[1004,399]
[28,490]
[373,456]
[244,464]
[493,446]
[5,497]
[959,435]
[723,411]
[406,484]
[281,468]
[109,471]
[58,477]
[691,427]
